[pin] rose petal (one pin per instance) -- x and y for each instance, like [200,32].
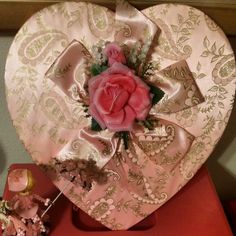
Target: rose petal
[114,53]
[111,47]
[110,98]
[115,118]
[94,83]
[119,68]
[125,82]
[120,101]
[142,115]
[127,124]
[140,101]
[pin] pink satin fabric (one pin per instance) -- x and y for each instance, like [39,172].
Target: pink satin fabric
[132,25]
[167,140]
[50,118]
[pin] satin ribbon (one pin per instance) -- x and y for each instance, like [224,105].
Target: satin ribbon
[149,150]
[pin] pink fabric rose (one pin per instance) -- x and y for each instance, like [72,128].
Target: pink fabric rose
[118,97]
[114,54]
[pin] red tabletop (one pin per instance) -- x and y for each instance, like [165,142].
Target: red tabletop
[194,211]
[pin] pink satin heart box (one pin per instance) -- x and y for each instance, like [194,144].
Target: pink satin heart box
[190,47]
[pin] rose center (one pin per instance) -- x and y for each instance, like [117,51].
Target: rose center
[119,97]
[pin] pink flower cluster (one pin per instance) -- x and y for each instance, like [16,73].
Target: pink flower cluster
[117,96]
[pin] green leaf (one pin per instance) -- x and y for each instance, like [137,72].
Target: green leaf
[125,136]
[157,94]
[97,69]
[95,126]
[148,124]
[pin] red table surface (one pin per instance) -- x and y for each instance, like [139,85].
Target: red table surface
[194,211]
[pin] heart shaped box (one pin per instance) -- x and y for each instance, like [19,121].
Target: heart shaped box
[46,120]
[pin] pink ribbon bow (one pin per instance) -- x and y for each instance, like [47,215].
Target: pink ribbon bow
[135,171]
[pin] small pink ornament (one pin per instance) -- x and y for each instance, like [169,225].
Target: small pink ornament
[25,204]
[114,54]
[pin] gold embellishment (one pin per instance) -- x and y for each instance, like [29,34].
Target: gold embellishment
[210,23]
[35,47]
[101,208]
[152,145]
[100,21]
[152,197]
[224,71]
[55,108]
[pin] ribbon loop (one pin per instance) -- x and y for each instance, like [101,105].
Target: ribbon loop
[70,71]
[133,26]
[181,90]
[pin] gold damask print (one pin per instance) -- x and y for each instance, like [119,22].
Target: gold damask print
[35,47]
[167,47]
[165,9]
[77,199]
[76,17]
[112,223]
[100,20]
[187,117]
[22,33]
[214,99]
[198,74]
[55,137]
[212,51]
[210,23]
[152,197]
[102,208]
[154,144]
[24,109]
[24,78]
[134,206]
[166,159]
[62,9]
[185,27]
[176,49]
[56,110]
[138,183]
[224,71]
[195,157]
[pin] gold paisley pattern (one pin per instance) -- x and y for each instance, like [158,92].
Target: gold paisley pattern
[56,110]
[194,157]
[210,23]
[167,47]
[34,48]
[154,145]
[224,71]
[42,39]
[100,21]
